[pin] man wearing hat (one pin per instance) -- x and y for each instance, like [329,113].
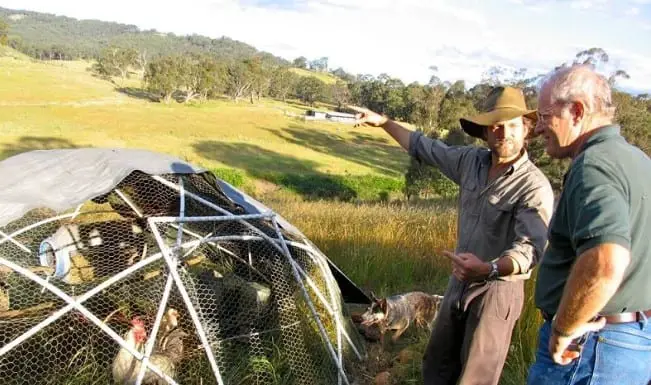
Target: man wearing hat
[505,204]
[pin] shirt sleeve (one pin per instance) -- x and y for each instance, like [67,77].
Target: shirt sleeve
[532,216]
[448,159]
[599,210]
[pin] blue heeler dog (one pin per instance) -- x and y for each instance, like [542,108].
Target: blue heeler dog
[398,312]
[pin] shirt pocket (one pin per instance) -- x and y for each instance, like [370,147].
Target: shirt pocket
[468,198]
[497,216]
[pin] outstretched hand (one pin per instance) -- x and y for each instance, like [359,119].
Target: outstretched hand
[364,116]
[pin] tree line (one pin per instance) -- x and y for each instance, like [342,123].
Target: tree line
[216,67]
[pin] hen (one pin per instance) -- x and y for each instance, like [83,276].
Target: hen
[167,353]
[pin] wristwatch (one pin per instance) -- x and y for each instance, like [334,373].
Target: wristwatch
[494,272]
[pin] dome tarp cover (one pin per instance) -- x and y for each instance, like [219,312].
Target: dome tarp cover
[128,266]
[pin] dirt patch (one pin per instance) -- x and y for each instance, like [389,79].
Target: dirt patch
[393,363]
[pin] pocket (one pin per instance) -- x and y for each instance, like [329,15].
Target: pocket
[504,300]
[499,300]
[622,356]
[497,215]
[626,337]
[468,194]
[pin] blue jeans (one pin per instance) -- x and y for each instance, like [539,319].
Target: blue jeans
[617,354]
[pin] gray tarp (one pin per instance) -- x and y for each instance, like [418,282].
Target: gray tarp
[63,179]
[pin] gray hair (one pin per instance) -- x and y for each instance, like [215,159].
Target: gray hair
[581,82]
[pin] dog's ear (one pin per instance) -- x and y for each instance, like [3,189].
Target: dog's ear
[383,305]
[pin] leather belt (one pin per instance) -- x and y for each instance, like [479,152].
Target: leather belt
[612,318]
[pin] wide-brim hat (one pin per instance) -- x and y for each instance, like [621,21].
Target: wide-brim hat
[502,103]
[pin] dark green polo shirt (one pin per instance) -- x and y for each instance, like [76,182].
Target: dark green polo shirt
[606,198]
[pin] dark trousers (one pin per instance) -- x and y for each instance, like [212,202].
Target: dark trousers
[472,333]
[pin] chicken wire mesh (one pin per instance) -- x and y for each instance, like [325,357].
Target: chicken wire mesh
[164,279]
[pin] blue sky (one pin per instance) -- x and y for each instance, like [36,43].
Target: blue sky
[403,38]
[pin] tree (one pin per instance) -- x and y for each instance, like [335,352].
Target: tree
[116,61]
[340,93]
[310,89]
[260,70]
[4,32]
[282,82]
[300,62]
[238,79]
[343,75]
[166,75]
[319,65]
[201,76]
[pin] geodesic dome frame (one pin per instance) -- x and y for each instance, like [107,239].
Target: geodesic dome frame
[92,238]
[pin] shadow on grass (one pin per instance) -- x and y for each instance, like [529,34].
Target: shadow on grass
[364,149]
[296,175]
[30,143]
[138,93]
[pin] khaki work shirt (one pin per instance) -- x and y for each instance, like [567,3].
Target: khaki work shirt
[505,217]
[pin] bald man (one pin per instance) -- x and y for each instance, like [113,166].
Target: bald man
[593,287]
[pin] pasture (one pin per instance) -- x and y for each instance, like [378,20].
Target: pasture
[340,185]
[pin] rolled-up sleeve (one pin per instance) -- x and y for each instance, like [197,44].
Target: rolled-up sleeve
[449,159]
[532,216]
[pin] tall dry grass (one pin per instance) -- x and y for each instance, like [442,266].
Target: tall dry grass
[394,248]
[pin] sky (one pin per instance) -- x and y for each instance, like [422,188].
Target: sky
[403,38]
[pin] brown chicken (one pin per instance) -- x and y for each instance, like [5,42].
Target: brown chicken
[167,353]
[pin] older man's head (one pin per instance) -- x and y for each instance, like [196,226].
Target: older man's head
[572,102]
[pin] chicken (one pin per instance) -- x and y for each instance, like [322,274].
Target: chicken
[167,353]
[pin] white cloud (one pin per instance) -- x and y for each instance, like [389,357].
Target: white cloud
[587,4]
[633,11]
[402,38]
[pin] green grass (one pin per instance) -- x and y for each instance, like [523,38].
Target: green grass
[57,105]
[325,77]
[290,164]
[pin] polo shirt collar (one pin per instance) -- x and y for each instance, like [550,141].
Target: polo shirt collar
[601,134]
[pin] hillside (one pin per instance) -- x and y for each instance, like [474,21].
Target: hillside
[325,77]
[47,105]
[47,36]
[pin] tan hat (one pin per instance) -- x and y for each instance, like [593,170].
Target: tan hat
[502,103]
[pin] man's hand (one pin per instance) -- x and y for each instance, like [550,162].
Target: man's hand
[365,116]
[564,349]
[468,267]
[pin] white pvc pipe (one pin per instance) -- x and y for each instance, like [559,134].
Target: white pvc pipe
[149,347]
[186,298]
[33,225]
[329,308]
[102,286]
[15,242]
[71,304]
[324,334]
[209,218]
[282,250]
[128,201]
[265,236]
[179,233]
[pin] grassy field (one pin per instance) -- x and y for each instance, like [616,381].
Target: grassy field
[323,76]
[387,247]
